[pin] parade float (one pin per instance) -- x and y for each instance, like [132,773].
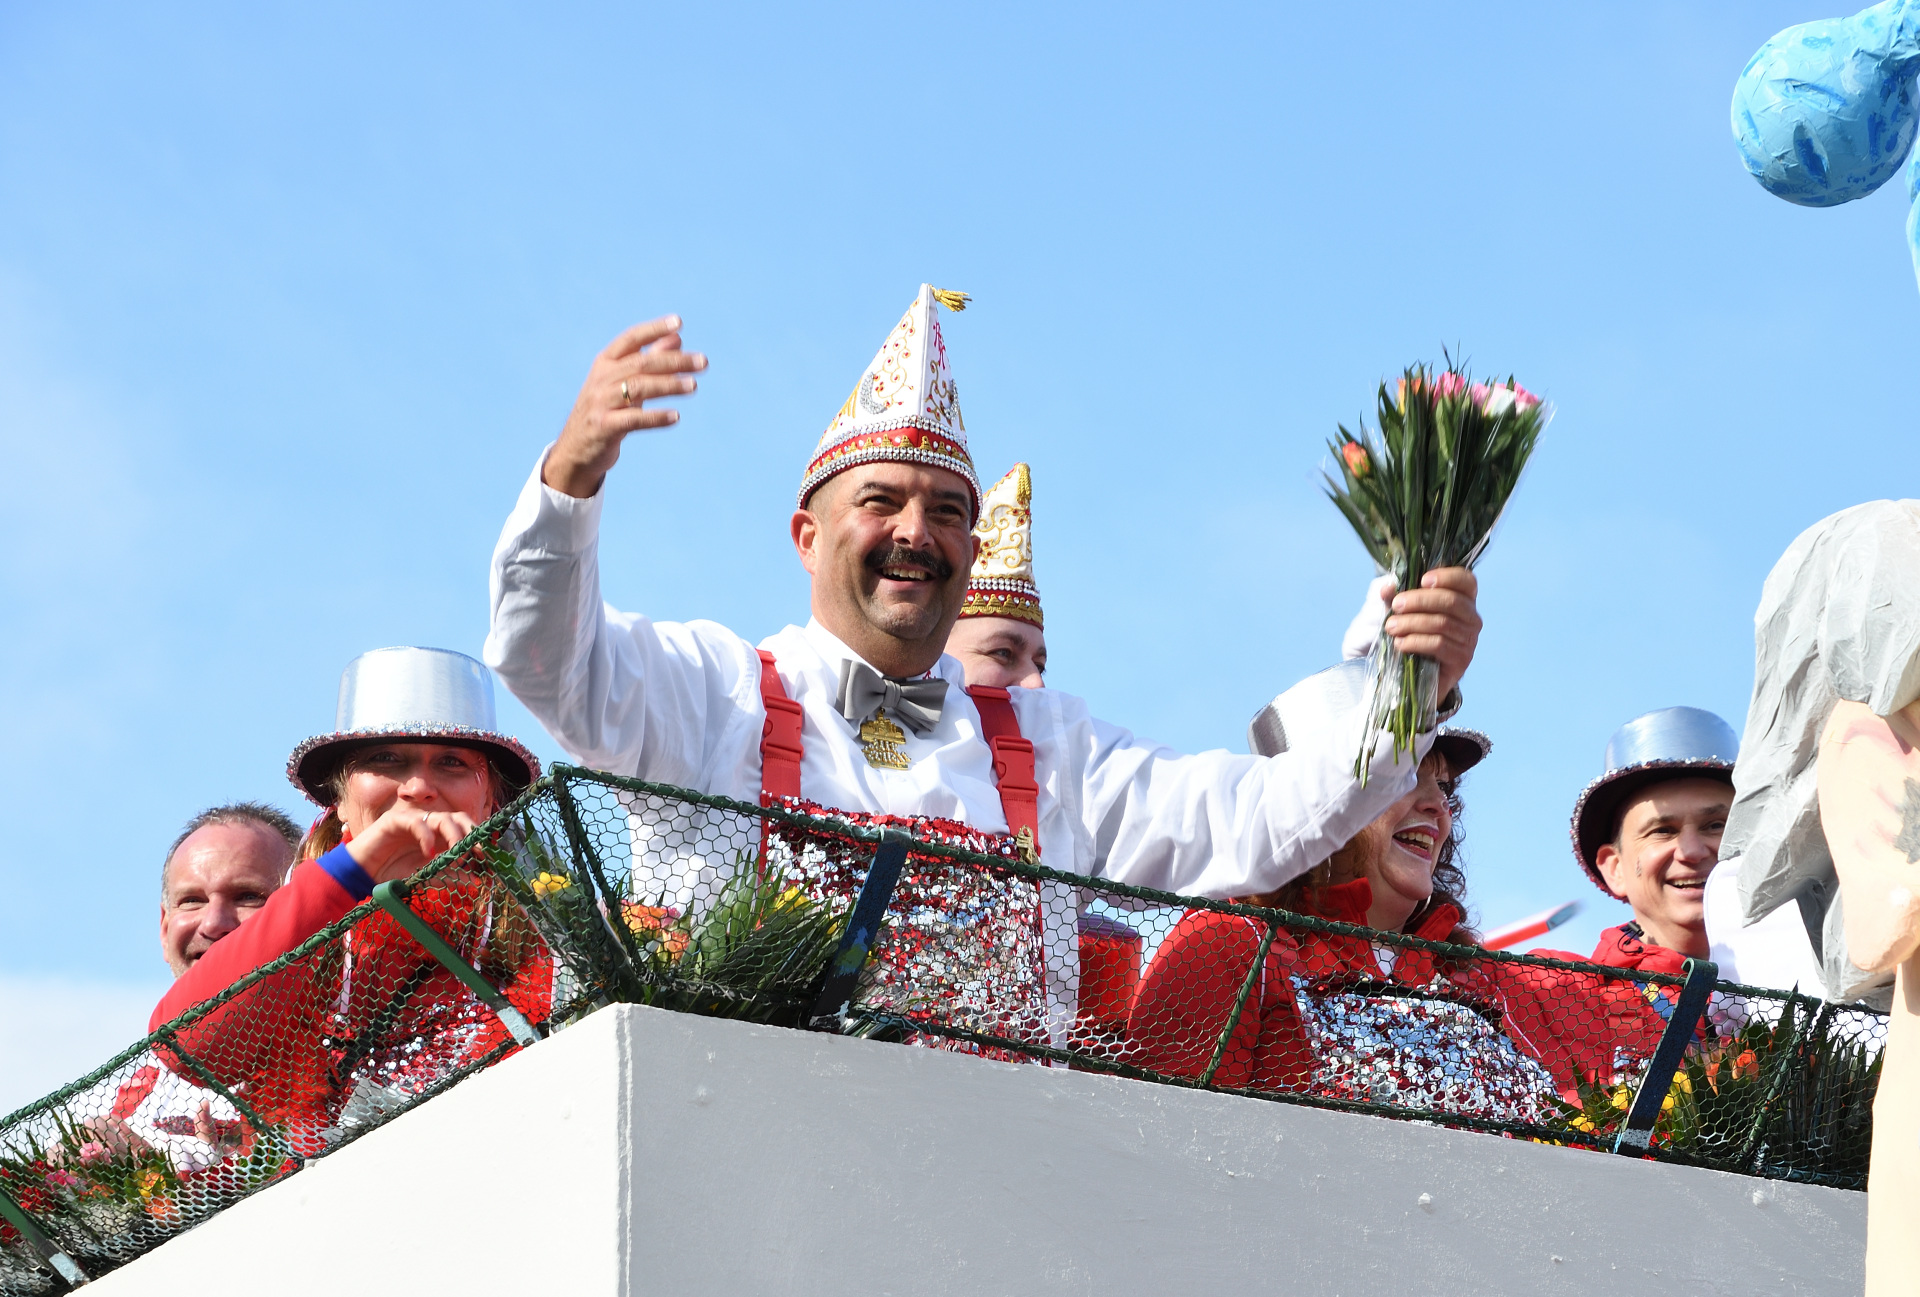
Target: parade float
[816,1050]
[627,1037]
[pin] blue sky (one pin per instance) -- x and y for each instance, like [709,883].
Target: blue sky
[290,302]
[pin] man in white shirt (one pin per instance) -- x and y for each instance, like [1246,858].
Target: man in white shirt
[884,723]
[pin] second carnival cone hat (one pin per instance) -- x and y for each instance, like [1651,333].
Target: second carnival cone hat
[1672,743]
[1329,700]
[1001,584]
[416,695]
[905,408]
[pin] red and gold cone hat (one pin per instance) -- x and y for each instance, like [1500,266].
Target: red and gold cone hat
[1002,581]
[904,408]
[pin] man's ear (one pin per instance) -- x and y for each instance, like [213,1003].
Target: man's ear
[806,538]
[1608,861]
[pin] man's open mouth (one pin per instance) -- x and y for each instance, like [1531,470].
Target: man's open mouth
[1688,884]
[898,563]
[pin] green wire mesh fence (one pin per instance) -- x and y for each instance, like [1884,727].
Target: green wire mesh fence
[592,889]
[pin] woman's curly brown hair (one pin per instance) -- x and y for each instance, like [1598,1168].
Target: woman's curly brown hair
[1302,895]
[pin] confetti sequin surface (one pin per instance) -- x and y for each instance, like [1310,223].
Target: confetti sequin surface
[1418,1047]
[963,946]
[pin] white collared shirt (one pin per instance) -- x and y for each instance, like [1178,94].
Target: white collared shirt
[679,703]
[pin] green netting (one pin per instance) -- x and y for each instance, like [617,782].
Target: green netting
[592,889]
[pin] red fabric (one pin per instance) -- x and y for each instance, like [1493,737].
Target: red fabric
[780,738]
[1619,948]
[281,1043]
[1188,992]
[135,1091]
[1012,762]
[1573,1023]
[1109,973]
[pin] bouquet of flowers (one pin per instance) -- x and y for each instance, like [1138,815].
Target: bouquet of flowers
[1424,492]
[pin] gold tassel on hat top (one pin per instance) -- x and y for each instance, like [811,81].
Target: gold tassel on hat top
[951,300]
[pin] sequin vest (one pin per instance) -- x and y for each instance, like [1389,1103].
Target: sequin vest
[964,946]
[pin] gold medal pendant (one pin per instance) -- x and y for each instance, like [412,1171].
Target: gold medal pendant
[882,740]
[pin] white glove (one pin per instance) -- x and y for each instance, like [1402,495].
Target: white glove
[1364,632]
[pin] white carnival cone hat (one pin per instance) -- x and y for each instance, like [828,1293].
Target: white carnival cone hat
[905,407]
[1002,581]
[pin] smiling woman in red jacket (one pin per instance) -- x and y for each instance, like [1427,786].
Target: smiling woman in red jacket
[1337,1014]
[414,765]
[1345,1017]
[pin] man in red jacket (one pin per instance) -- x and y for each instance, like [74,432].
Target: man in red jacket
[1648,832]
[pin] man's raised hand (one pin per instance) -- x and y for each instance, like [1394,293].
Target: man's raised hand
[1439,621]
[643,364]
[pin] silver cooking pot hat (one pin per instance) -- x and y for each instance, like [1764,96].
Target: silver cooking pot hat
[1329,700]
[1672,743]
[415,694]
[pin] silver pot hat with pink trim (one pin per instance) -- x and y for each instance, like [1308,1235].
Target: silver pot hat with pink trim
[1672,743]
[1329,701]
[417,695]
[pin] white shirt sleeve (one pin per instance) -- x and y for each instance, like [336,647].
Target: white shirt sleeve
[1216,823]
[619,692]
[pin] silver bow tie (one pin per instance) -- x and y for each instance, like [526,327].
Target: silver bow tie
[915,704]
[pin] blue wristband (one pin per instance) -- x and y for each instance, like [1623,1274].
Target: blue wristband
[346,871]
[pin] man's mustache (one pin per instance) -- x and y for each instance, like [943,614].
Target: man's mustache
[901,556]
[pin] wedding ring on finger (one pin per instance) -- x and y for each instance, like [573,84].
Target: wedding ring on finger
[626,397]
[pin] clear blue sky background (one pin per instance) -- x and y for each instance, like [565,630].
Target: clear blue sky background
[290,303]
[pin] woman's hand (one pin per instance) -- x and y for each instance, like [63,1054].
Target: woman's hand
[404,839]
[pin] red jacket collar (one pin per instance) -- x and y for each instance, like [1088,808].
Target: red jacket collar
[1349,903]
[1626,947]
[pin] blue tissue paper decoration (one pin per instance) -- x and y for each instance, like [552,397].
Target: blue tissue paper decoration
[1825,112]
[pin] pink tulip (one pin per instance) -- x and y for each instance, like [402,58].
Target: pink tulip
[1449,384]
[1523,399]
[94,1151]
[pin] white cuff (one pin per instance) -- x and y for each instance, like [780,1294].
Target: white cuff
[561,523]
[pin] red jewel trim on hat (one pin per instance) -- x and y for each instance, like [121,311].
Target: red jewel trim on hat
[875,446]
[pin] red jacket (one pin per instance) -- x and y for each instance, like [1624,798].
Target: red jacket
[1188,992]
[369,1006]
[1572,1023]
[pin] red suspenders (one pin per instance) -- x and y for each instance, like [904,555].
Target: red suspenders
[781,748]
[1012,764]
